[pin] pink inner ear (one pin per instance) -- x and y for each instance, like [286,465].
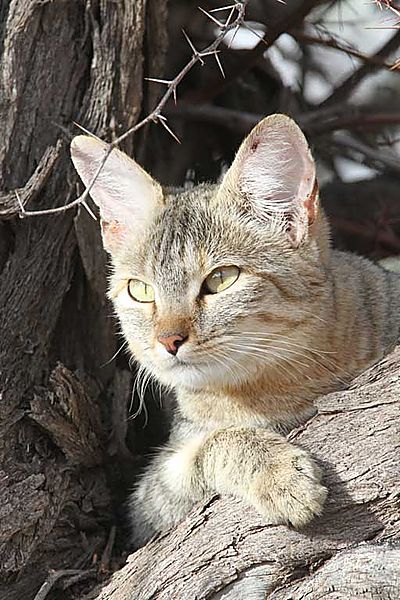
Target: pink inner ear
[113,233]
[276,171]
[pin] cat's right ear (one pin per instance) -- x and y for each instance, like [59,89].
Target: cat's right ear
[126,195]
[273,175]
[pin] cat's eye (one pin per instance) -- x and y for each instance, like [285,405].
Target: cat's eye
[220,279]
[140,291]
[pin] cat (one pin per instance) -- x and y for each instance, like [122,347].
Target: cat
[231,295]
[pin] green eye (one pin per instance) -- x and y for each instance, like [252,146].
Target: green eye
[140,291]
[220,279]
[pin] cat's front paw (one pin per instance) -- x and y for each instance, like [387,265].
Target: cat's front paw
[289,491]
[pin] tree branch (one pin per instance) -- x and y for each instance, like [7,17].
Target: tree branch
[225,547]
[156,115]
[343,91]
[315,122]
[332,42]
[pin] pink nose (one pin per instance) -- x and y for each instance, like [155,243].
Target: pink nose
[171,342]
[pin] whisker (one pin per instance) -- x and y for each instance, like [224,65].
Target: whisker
[255,351]
[224,365]
[261,336]
[279,338]
[296,353]
[114,355]
[235,362]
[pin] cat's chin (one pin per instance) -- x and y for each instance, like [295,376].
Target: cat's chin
[196,376]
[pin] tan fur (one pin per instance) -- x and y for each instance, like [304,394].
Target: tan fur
[300,321]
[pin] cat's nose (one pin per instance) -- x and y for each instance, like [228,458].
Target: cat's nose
[171,342]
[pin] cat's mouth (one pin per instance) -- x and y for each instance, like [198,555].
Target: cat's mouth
[176,362]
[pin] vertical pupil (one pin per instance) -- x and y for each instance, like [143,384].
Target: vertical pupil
[145,289]
[220,276]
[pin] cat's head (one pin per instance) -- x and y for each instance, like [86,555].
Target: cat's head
[215,283]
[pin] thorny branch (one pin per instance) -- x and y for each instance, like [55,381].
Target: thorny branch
[239,120]
[156,115]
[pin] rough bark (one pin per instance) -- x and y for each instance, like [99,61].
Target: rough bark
[62,61]
[223,550]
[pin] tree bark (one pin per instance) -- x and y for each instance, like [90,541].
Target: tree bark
[62,61]
[224,550]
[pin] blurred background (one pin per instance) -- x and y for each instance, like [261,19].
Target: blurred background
[337,72]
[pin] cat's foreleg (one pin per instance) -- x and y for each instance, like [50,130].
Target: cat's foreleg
[167,490]
[279,479]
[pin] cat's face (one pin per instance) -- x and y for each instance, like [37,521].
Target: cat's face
[210,288]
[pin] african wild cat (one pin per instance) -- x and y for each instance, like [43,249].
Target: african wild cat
[231,295]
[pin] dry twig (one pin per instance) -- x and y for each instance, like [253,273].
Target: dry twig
[343,91]
[336,44]
[55,576]
[156,115]
[316,122]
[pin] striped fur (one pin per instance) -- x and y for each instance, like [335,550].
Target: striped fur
[301,320]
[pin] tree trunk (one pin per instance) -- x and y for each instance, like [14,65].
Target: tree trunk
[224,550]
[62,61]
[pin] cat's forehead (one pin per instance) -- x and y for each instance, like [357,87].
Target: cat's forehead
[183,236]
[192,235]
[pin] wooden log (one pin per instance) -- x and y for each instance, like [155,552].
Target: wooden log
[61,62]
[224,550]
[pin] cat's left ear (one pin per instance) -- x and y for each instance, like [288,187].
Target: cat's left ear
[274,174]
[126,195]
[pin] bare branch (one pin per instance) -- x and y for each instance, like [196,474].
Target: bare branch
[317,122]
[332,42]
[155,115]
[373,157]
[81,199]
[343,91]
[12,203]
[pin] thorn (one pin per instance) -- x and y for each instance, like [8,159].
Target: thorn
[89,210]
[260,37]
[174,95]
[164,124]
[195,52]
[228,21]
[211,17]
[93,135]
[211,53]
[219,65]
[214,10]
[164,81]
[233,37]
[21,206]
